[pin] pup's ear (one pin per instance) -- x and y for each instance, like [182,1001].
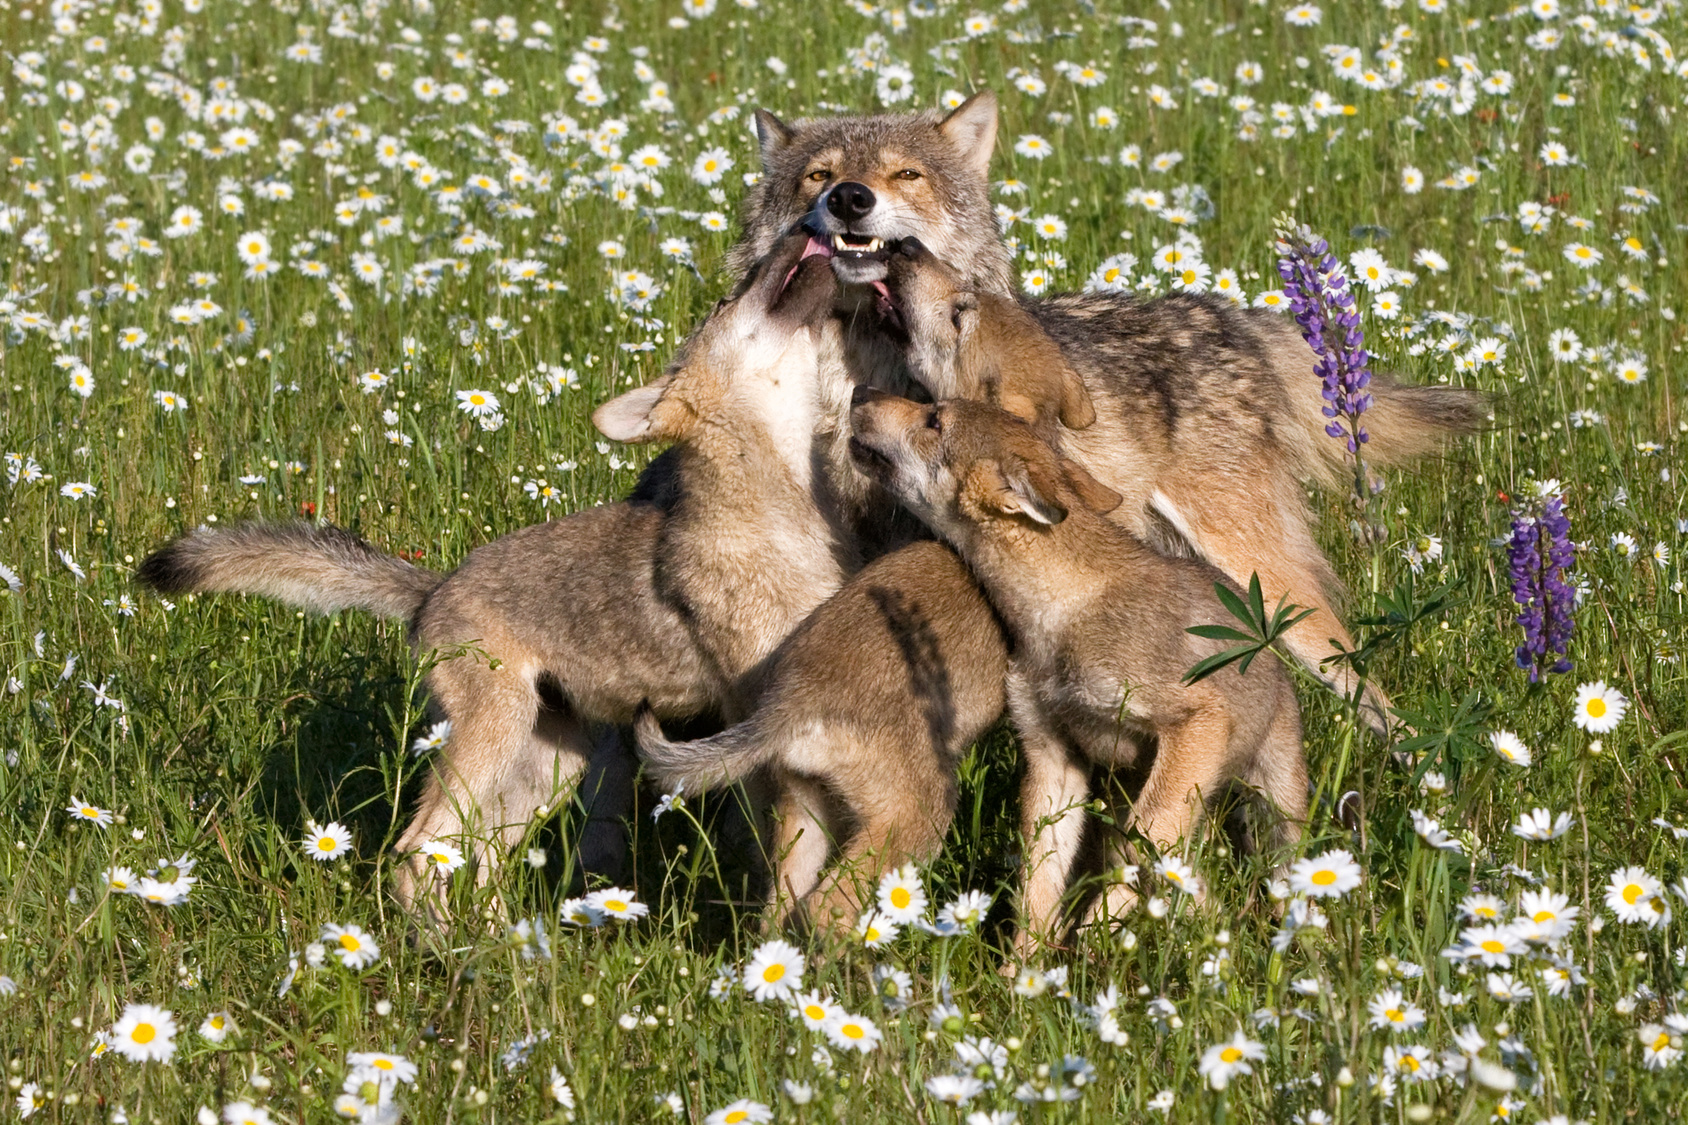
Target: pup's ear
[1019,491]
[1077,411]
[772,134]
[1095,495]
[638,416]
[971,128]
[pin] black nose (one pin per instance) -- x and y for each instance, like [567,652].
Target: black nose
[850,201]
[865,394]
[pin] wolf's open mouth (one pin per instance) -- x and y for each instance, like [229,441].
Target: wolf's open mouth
[861,246]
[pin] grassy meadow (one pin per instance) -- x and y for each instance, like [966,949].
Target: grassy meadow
[273,261]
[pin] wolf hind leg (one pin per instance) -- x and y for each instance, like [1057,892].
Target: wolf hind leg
[1277,773]
[1269,536]
[491,777]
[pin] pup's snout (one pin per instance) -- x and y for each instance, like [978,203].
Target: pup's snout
[850,201]
[864,394]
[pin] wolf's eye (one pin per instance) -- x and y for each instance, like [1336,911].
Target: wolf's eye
[820,175]
[908,174]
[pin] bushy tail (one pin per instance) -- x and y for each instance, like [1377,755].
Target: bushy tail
[1406,421]
[323,569]
[704,763]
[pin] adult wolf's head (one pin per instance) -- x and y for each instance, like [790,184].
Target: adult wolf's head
[863,183]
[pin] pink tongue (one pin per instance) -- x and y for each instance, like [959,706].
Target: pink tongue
[884,292]
[813,247]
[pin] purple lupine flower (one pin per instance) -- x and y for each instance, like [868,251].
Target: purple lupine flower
[1538,557]
[1323,306]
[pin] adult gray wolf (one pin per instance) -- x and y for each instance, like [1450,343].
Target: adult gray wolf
[1208,416]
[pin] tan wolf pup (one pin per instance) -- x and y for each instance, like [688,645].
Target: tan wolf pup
[557,626]
[870,706]
[1208,417]
[1098,624]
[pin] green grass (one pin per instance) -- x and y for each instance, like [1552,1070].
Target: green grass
[241,720]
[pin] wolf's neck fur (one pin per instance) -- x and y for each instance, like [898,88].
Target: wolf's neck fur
[753,542]
[1042,578]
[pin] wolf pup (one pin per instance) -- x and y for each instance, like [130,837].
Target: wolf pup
[1098,623]
[978,344]
[1208,416]
[870,706]
[554,627]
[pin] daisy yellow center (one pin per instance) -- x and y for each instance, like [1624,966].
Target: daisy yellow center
[1596,708]
[814,1011]
[1493,946]
[1632,893]
[871,933]
[1395,1015]
[441,857]
[1543,916]
[1409,1063]
[90,812]
[853,1031]
[383,1064]
[1506,752]
[217,1023]
[1485,912]
[773,973]
[1189,277]
[1112,275]
[614,904]
[1502,1111]
[900,898]
[1230,1054]
[1175,877]
[349,943]
[1662,1041]
[736,1116]
[1324,878]
[144,1033]
[478,400]
[327,843]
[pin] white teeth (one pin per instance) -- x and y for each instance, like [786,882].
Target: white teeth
[872,246]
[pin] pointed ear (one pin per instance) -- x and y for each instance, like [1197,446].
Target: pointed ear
[1018,492]
[1077,411]
[772,134]
[971,128]
[636,416]
[1096,496]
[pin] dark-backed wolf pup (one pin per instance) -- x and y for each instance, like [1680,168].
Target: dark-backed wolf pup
[869,708]
[1098,623]
[1208,417]
[555,627]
